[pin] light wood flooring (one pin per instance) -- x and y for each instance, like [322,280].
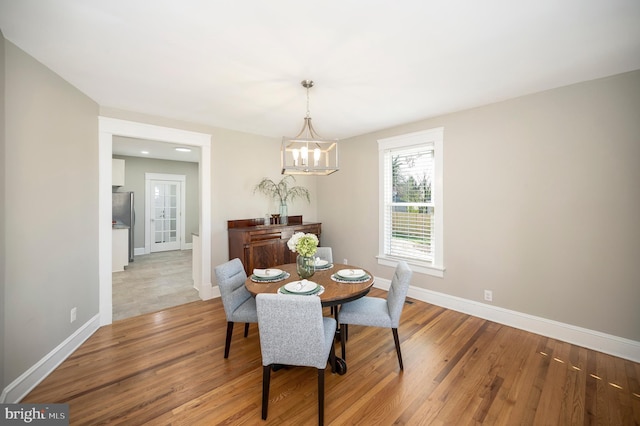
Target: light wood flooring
[153,282]
[167,368]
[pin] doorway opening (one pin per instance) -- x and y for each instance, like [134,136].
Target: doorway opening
[108,127]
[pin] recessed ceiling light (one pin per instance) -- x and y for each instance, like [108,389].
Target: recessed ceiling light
[144,152]
[183,149]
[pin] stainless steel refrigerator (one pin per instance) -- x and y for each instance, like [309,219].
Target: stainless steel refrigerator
[124,215]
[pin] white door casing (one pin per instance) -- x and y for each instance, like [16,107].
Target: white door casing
[107,128]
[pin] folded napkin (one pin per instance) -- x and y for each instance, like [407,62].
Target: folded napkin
[351,273]
[303,287]
[303,293]
[266,272]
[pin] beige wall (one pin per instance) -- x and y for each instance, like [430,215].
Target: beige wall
[135,169]
[541,204]
[50,210]
[3,204]
[239,162]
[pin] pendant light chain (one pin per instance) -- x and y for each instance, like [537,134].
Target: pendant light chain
[308,112]
[307,128]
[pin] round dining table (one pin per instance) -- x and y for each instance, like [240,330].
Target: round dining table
[335,293]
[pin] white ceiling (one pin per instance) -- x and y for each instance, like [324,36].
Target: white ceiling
[376,64]
[154,149]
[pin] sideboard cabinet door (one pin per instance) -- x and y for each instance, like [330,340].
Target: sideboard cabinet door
[263,254]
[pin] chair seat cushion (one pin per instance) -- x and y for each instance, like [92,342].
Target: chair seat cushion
[246,312]
[371,311]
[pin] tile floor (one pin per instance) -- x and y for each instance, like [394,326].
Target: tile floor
[153,282]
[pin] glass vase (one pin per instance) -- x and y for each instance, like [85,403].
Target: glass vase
[306,266]
[284,214]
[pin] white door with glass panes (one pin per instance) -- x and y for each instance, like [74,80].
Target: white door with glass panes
[164,212]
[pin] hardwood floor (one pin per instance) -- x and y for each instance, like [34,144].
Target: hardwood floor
[153,282]
[168,368]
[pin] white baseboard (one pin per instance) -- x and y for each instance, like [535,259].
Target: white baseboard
[591,339]
[209,292]
[21,386]
[139,251]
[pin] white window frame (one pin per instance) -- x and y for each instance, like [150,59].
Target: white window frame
[433,137]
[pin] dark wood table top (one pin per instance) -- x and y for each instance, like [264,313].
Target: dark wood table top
[335,293]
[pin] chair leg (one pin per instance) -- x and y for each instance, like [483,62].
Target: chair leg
[343,332]
[332,358]
[246,329]
[227,343]
[397,341]
[320,396]
[266,378]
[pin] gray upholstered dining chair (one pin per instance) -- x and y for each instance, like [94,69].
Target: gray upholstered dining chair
[239,305]
[377,312]
[324,253]
[293,332]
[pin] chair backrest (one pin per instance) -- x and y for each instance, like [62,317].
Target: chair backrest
[291,330]
[325,253]
[231,278]
[398,292]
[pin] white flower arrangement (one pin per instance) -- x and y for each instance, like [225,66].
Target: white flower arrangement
[303,244]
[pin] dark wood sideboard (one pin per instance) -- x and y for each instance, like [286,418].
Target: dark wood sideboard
[262,246]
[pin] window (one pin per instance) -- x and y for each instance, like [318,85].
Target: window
[411,207]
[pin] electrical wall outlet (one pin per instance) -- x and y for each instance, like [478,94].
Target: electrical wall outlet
[74,311]
[488,295]
[345,261]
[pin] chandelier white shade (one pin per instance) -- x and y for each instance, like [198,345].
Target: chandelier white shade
[307,153]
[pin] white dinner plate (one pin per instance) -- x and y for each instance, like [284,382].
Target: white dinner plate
[351,273]
[321,262]
[303,286]
[267,273]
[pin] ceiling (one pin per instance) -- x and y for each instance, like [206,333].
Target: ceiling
[154,149]
[376,64]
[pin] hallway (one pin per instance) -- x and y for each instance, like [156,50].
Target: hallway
[153,282]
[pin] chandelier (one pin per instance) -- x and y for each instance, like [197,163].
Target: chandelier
[307,153]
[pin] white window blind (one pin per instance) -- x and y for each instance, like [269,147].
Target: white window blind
[408,206]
